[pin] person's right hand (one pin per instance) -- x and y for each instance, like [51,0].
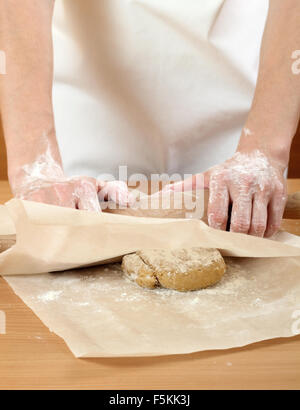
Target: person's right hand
[78,193]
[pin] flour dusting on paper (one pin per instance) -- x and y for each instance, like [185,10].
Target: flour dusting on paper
[99,313]
[51,295]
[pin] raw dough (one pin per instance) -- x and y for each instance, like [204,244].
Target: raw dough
[178,269]
[6,242]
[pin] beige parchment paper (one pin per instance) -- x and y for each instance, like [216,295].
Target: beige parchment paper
[100,314]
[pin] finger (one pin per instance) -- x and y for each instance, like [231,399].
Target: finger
[90,180]
[116,191]
[196,182]
[87,198]
[275,212]
[259,215]
[218,203]
[241,213]
[123,195]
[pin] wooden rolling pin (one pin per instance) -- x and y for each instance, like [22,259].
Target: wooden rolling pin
[292,207]
[292,211]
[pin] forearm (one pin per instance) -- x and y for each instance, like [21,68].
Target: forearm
[26,88]
[274,115]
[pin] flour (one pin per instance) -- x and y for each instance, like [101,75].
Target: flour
[244,170]
[247,132]
[116,191]
[235,282]
[99,313]
[87,288]
[50,296]
[250,181]
[44,170]
[45,178]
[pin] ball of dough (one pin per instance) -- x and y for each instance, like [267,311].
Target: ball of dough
[178,269]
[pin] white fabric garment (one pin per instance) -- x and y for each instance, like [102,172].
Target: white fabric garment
[157,85]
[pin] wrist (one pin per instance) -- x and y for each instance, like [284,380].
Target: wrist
[276,147]
[42,169]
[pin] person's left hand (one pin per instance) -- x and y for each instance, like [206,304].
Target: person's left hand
[256,187]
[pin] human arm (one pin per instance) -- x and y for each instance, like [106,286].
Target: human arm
[253,179]
[35,167]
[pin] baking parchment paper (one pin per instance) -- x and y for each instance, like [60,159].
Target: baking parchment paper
[100,314]
[51,238]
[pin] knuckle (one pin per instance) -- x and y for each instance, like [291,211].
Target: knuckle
[216,201]
[275,227]
[280,190]
[248,179]
[87,186]
[216,221]
[281,195]
[219,172]
[279,185]
[239,226]
[259,227]
[218,218]
[215,182]
[272,229]
[245,181]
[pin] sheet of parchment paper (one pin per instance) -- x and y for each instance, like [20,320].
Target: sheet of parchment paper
[99,313]
[7,226]
[51,238]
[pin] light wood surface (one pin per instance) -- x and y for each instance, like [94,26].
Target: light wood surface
[33,357]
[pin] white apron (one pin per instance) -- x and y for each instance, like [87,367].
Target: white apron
[157,85]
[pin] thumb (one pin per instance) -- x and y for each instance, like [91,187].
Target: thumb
[87,198]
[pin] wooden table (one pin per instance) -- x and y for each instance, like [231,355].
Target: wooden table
[33,357]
